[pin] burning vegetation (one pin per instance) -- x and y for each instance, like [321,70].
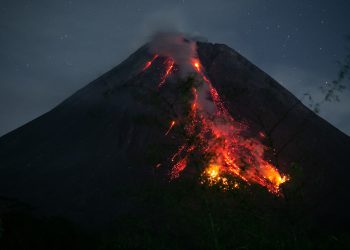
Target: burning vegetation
[214,140]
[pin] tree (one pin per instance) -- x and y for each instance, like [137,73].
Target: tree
[333,90]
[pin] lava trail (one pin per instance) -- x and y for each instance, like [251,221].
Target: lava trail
[172,124]
[169,64]
[227,155]
[149,63]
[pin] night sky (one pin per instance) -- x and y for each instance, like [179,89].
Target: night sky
[50,49]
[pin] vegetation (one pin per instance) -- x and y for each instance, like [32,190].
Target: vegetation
[185,215]
[331,92]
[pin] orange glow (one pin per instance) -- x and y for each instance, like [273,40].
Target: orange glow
[219,136]
[261,134]
[215,135]
[172,124]
[213,171]
[169,67]
[178,168]
[196,65]
[149,63]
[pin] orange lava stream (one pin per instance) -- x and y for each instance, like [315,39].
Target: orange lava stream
[169,67]
[218,138]
[149,63]
[172,124]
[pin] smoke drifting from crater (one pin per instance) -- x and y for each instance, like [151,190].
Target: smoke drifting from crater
[177,46]
[182,49]
[218,137]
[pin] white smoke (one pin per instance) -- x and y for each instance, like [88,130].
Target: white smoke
[183,49]
[205,102]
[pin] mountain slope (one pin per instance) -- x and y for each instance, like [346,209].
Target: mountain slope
[89,157]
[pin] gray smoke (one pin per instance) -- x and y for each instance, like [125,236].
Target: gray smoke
[182,48]
[177,46]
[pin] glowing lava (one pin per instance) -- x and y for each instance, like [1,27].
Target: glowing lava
[172,124]
[217,138]
[149,63]
[196,65]
[169,64]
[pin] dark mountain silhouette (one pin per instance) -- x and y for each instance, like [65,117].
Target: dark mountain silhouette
[89,158]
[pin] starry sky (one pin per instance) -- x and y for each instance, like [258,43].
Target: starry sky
[50,49]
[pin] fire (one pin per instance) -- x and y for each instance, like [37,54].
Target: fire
[219,139]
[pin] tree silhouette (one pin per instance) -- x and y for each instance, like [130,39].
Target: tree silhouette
[331,92]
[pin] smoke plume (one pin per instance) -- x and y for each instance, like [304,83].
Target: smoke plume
[176,46]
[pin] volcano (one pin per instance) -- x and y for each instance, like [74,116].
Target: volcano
[192,112]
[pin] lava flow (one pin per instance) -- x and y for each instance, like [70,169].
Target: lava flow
[169,63]
[172,124]
[217,138]
[149,63]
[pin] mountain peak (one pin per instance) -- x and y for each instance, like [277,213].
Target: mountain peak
[134,124]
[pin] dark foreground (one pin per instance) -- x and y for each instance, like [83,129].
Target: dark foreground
[185,215]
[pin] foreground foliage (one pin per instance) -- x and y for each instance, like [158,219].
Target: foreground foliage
[185,215]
